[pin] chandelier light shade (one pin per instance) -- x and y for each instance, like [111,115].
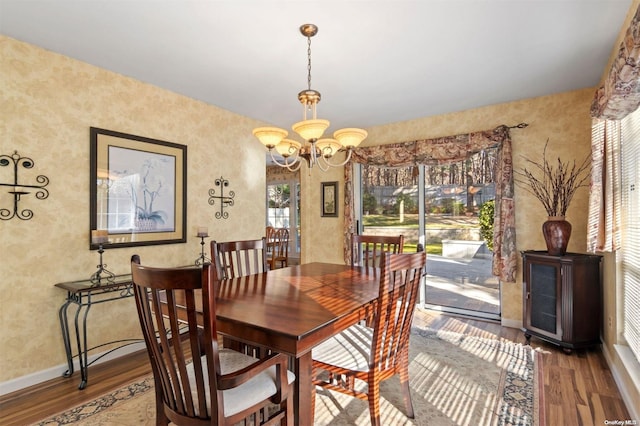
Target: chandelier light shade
[327,147]
[310,129]
[350,137]
[270,136]
[316,149]
[288,147]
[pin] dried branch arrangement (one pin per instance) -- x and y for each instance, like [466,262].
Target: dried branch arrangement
[555,185]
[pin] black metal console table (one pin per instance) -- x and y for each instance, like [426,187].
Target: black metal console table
[84,294]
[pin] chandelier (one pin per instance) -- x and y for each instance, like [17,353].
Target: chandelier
[316,150]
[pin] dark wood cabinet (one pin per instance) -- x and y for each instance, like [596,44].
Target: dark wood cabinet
[562,300]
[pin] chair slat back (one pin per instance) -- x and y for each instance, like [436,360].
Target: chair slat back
[172,336]
[269,236]
[279,243]
[235,259]
[367,249]
[400,278]
[239,258]
[269,232]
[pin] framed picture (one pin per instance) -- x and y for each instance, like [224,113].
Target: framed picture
[138,190]
[330,199]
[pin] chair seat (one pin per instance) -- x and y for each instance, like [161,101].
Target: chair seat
[259,388]
[351,349]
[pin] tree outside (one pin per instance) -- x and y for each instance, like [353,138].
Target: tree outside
[455,194]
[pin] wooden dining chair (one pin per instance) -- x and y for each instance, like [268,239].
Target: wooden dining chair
[196,383]
[238,259]
[366,249]
[278,257]
[269,233]
[374,354]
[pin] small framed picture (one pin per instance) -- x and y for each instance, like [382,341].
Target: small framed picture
[329,199]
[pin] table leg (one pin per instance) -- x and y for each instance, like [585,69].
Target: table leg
[302,409]
[82,345]
[66,338]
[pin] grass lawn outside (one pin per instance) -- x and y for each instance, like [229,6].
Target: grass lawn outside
[430,248]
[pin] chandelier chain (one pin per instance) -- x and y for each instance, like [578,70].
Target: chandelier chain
[309,62]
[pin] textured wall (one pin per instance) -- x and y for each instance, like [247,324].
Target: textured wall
[48,104]
[322,237]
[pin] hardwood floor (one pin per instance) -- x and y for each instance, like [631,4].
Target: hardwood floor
[578,388]
[38,402]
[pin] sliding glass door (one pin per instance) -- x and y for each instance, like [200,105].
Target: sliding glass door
[448,209]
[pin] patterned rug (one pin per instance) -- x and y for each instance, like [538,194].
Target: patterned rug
[455,380]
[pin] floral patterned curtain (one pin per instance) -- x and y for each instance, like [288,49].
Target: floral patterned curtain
[620,93]
[446,150]
[605,194]
[618,97]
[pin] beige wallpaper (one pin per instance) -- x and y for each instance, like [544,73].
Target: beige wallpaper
[49,103]
[322,237]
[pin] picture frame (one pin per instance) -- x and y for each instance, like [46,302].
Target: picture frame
[329,199]
[138,190]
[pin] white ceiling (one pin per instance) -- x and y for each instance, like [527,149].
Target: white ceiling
[375,62]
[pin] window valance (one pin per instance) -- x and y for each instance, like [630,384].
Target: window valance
[448,149]
[620,93]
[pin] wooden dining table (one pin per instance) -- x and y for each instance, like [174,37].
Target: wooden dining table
[292,310]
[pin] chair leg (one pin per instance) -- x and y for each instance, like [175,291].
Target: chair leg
[406,390]
[373,394]
[161,417]
[313,398]
[288,420]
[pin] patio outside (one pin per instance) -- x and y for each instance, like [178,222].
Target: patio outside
[458,276]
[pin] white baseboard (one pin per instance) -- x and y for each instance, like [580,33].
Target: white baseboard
[38,377]
[632,370]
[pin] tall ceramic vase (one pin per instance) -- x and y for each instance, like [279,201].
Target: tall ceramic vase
[556,231]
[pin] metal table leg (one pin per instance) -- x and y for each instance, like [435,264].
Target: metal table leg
[66,338]
[82,344]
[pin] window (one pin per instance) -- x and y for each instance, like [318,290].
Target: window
[283,211]
[441,207]
[629,255]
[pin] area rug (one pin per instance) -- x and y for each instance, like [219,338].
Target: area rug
[455,379]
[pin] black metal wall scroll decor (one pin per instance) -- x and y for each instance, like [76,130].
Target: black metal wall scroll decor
[19,188]
[225,200]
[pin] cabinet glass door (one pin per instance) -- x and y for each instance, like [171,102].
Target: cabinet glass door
[543,297]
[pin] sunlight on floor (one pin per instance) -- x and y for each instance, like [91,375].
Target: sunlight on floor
[456,396]
[456,382]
